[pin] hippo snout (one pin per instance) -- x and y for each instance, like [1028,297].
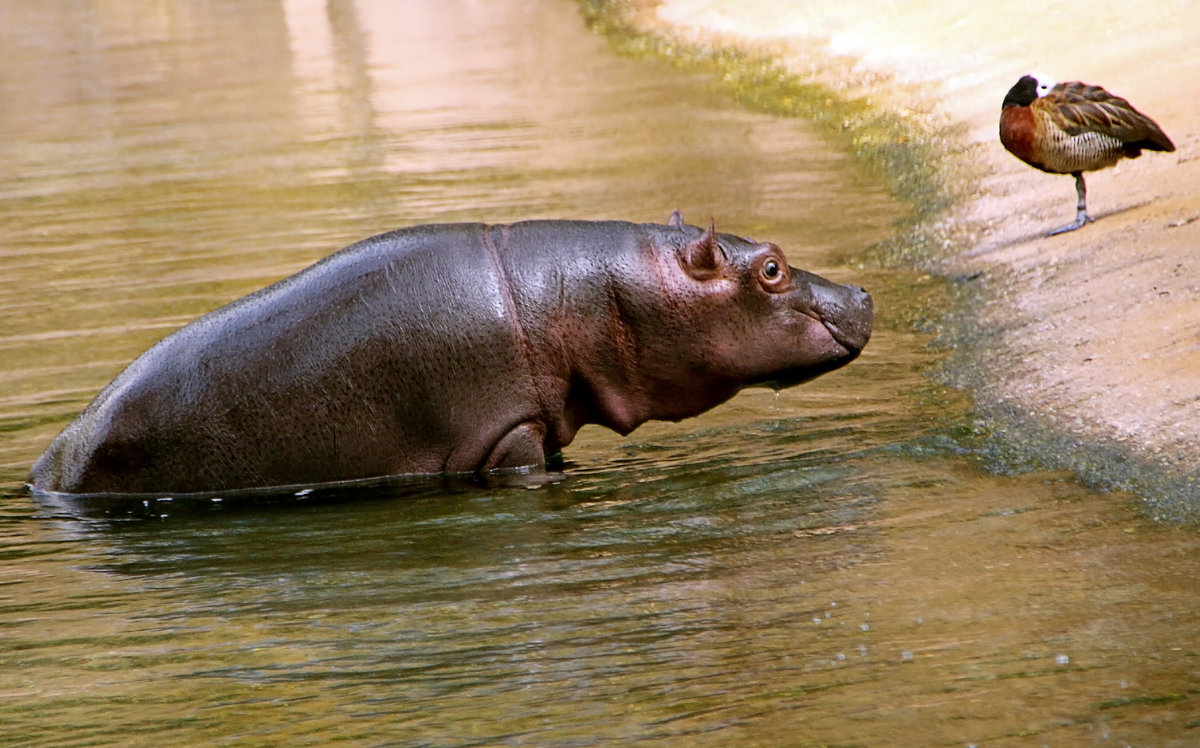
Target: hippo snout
[846,311]
[853,327]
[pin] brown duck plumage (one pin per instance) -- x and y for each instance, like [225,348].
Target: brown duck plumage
[1070,128]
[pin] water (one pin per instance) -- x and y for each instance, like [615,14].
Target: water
[827,565]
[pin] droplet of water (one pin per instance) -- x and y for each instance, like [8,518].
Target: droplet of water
[906,656]
[1062,659]
[865,627]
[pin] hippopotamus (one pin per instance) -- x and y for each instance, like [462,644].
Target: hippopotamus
[456,348]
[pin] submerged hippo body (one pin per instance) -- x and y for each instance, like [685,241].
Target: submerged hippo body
[456,348]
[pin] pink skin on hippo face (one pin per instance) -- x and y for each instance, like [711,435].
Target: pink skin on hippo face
[456,348]
[767,323]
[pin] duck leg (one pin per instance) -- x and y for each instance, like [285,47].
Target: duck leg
[1081,214]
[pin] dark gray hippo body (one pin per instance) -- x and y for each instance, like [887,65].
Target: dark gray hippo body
[456,348]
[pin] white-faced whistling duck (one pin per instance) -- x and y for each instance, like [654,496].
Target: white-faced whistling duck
[1070,128]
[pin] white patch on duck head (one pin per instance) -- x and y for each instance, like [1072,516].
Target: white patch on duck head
[1044,84]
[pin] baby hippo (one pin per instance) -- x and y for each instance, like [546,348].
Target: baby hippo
[456,348]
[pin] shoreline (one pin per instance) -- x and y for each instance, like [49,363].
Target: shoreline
[1081,351]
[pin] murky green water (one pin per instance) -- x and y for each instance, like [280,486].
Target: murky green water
[822,566]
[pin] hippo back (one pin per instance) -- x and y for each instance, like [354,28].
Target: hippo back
[377,360]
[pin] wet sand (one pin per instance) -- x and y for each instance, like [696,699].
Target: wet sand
[1093,336]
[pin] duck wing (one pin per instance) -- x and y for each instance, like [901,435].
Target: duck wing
[1078,108]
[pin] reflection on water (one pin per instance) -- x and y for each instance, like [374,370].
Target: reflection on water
[820,565]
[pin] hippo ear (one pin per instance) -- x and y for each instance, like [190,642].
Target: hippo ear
[676,219]
[705,257]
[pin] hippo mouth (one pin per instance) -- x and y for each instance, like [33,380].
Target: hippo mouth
[853,337]
[849,328]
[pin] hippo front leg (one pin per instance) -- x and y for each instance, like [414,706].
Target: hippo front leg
[521,447]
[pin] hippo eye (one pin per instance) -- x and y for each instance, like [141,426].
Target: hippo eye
[773,273]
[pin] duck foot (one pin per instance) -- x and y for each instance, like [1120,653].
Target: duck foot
[1081,220]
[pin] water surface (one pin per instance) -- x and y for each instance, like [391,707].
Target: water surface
[823,565]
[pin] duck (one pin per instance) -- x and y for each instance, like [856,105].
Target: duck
[1071,128]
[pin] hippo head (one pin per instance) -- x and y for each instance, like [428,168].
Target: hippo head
[735,315]
[767,323]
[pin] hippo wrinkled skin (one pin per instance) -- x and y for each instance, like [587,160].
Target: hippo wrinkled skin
[456,348]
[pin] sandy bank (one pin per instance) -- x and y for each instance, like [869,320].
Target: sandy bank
[1094,334]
